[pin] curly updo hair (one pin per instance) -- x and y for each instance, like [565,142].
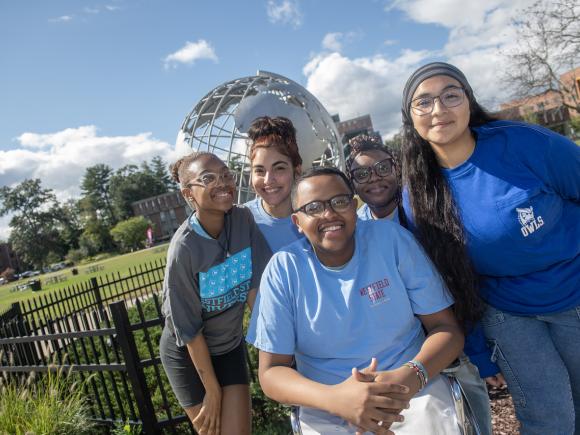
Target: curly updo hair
[278,133]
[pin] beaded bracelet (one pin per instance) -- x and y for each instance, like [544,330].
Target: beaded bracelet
[419,371]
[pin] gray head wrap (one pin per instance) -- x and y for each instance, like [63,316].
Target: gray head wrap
[425,72]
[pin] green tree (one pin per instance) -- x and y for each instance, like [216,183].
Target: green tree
[129,184]
[131,233]
[37,221]
[96,193]
[160,170]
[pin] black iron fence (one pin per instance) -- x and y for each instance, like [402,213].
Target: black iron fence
[116,358]
[97,292]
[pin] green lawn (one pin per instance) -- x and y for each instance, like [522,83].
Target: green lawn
[118,264]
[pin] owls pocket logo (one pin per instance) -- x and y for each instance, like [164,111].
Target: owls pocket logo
[527,220]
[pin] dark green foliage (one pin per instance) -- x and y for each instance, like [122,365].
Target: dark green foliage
[128,185]
[131,234]
[39,224]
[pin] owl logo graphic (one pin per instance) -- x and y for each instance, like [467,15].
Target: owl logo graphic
[525,215]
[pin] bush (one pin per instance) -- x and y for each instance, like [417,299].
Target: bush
[53,404]
[131,234]
[75,255]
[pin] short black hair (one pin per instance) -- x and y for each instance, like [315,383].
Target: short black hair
[315,172]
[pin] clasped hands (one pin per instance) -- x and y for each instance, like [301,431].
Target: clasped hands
[371,400]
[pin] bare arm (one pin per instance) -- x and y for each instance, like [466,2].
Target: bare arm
[360,403]
[208,419]
[443,344]
[251,298]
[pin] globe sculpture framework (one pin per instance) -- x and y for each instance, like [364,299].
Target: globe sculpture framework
[218,123]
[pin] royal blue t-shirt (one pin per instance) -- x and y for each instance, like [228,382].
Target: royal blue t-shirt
[518,196]
[333,320]
[278,232]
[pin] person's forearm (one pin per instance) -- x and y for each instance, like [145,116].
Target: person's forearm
[285,385]
[199,354]
[251,298]
[441,347]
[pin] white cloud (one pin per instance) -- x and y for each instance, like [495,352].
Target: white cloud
[334,41]
[191,52]
[60,159]
[112,8]
[93,11]
[477,39]
[354,87]
[61,19]
[285,12]
[389,42]
[331,41]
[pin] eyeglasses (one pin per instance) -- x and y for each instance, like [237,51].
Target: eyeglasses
[452,97]
[338,203]
[363,174]
[210,179]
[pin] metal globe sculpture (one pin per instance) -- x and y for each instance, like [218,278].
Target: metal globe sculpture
[219,121]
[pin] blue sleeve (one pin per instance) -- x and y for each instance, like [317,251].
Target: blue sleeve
[551,157]
[478,352]
[563,167]
[425,288]
[272,324]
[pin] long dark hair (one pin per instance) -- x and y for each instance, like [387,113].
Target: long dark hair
[438,225]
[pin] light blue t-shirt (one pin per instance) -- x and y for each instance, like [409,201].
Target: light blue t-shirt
[334,320]
[364,213]
[278,232]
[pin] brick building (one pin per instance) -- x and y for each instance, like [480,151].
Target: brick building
[166,211]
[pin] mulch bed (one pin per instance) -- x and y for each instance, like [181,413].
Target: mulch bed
[503,416]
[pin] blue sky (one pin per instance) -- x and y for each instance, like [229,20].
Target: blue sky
[85,82]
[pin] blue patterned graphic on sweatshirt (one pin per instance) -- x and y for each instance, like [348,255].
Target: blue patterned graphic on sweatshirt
[227,283]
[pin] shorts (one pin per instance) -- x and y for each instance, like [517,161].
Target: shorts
[230,369]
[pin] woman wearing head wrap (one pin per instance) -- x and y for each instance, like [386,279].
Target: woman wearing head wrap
[495,204]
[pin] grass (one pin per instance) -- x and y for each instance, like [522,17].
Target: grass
[53,404]
[117,264]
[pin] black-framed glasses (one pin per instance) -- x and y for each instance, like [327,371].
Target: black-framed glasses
[338,203]
[210,179]
[363,174]
[451,97]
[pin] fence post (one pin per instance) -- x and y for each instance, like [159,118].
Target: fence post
[97,294]
[134,370]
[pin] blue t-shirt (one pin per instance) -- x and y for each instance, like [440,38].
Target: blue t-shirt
[334,320]
[278,232]
[519,200]
[364,213]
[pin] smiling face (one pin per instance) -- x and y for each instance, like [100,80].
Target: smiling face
[378,192]
[444,126]
[330,234]
[272,177]
[218,197]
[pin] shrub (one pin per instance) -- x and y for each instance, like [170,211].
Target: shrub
[53,404]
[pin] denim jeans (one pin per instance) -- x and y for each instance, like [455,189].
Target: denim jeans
[475,391]
[539,357]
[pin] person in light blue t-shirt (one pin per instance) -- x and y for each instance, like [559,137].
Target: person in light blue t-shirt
[349,292]
[507,194]
[275,163]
